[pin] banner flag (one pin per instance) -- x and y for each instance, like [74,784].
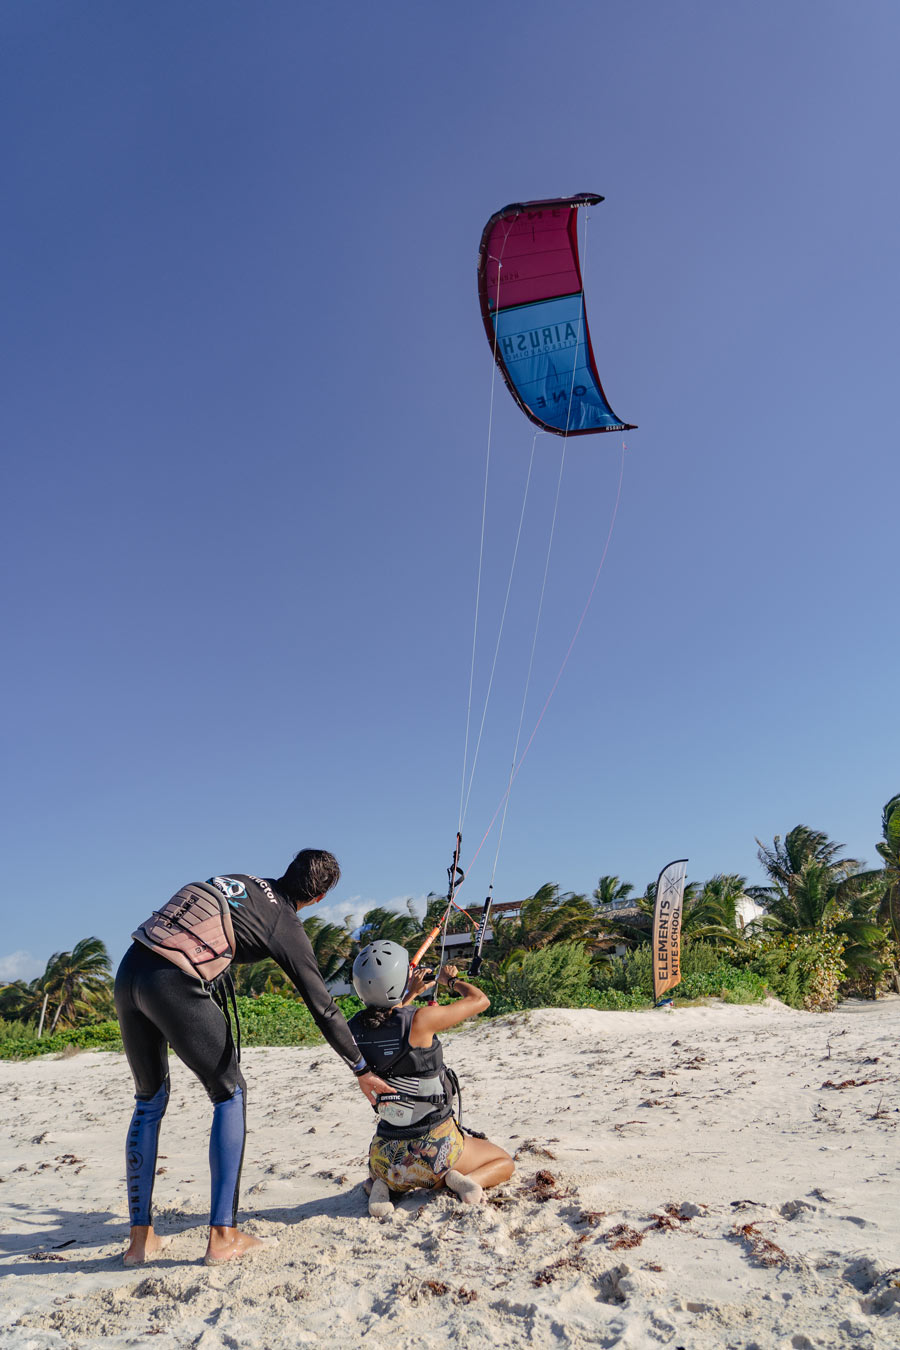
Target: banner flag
[667,927]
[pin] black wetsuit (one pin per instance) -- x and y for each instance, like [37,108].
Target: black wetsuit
[159,1005]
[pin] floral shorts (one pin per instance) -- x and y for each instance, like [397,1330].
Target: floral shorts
[408,1163]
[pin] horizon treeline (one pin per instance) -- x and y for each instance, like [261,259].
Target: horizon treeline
[823,927]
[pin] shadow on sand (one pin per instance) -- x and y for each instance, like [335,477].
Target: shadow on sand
[57,1237]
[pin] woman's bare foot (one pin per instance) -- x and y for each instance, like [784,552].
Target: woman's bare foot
[145,1245]
[380,1200]
[467,1189]
[230,1244]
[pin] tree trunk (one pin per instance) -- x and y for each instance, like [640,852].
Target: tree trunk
[56,1019]
[43,1015]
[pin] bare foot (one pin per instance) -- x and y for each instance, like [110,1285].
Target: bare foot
[380,1200]
[467,1189]
[145,1245]
[230,1244]
[367,1185]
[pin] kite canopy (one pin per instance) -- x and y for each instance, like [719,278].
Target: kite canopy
[532,303]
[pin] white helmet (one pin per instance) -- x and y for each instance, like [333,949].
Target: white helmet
[380,973]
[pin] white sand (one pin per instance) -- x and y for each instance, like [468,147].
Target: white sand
[682,1126]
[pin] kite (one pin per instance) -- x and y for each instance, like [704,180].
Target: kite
[532,304]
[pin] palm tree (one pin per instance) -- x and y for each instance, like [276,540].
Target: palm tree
[261,977]
[331,944]
[813,889]
[886,880]
[709,912]
[460,920]
[548,916]
[609,889]
[391,925]
[78,983]
[889,850]
[639,929]
[21,1001]
[784,862]
[810,900]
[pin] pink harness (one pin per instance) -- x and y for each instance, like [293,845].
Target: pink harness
[193,930]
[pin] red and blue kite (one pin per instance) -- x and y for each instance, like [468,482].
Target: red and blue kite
[532,303]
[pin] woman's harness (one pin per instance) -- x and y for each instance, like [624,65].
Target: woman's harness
[400,1095]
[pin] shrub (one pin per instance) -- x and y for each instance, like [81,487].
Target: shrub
[22,1042]
[705,973]
[275,1019]
[804,970]
[15,1032]
[702,958]
[628,974]
[615,1000]
[733,984]
[278,1019]
[556,976]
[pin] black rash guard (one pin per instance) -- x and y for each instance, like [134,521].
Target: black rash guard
[266,924]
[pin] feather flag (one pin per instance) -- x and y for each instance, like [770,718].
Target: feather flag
[667,927]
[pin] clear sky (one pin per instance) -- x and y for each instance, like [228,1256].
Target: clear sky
[245,419]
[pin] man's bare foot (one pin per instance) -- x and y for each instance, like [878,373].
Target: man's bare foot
[367,1185]
[467,1189]
[230,1244]
[380,1205]
[145,1245]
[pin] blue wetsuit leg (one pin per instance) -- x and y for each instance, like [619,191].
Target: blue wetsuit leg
[226,1157]
[141,1148]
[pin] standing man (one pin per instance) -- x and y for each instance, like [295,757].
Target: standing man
[172,989]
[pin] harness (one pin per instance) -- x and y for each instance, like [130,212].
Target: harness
[194,931]
[416,1063]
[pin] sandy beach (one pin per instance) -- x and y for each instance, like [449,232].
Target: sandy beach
[708,1177]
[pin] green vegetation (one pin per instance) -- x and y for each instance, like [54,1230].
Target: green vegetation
[705,973]
[18,1041]
[74,993]
[555,976]
[804,970]
[829,929]
[276,1019]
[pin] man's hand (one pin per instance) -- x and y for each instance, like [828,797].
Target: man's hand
[371,1085]
[447,973]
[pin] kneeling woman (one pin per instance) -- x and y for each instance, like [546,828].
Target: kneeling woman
[417,1142]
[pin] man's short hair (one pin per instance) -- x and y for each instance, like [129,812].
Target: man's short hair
[312,873]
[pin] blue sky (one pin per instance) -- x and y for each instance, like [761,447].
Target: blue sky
[246,415]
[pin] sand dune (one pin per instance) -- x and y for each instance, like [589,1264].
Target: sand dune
[707,1178]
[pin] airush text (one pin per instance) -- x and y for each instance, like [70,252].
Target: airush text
[554,337]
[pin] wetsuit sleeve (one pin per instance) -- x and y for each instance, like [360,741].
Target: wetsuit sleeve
[292,949]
